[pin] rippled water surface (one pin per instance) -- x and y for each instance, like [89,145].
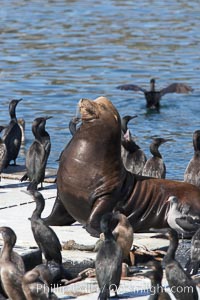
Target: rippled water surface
[55,52]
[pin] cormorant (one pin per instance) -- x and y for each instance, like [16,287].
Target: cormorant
[36,284]
[38,153]
[44,235]
[3,153]
[180,283]
[72,125]
[192,172]
[193,264]
[132,155]
[156,275]
[108,262]
[12,134]
[155,166]
[123,234]
[10,239]
[11,272]
[153,97]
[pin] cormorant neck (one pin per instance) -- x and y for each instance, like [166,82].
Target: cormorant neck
[42,131]
[171,249]
[108,235]
[6,251]
[154,150]
[197,154]
[196,142]
[39,133]
[152,86]
[38,210]
[12,113]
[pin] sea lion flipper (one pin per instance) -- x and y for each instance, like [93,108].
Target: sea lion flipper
[59,215]
[101,206]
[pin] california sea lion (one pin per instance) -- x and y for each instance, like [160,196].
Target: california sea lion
[92,180]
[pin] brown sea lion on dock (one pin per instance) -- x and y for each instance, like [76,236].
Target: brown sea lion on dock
[92,180]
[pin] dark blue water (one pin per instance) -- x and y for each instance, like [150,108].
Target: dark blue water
[55,52]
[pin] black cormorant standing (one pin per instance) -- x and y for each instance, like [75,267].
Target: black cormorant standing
[108,262]
[193,264]
[192,172]
[44,235]
[155,166]
[180,283]
[153,97]
[10,270]
[37,155]
[132,155]
[156,275]
[12,135]
[123,234]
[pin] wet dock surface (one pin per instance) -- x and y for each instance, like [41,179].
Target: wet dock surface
[15,209]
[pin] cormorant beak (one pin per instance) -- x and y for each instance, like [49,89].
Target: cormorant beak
[169,140]
[48,117]
[18,100]
[133,117]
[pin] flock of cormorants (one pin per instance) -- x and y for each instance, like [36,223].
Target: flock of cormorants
[118,233]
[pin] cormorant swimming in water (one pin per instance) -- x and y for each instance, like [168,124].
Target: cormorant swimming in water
[153,97]
[192,172]
[132,155]
[155,166]
[38,153]
[156,275]
[12,134]
[44,235]
[108,262]
[11,272]
[3,153]
[180,283]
